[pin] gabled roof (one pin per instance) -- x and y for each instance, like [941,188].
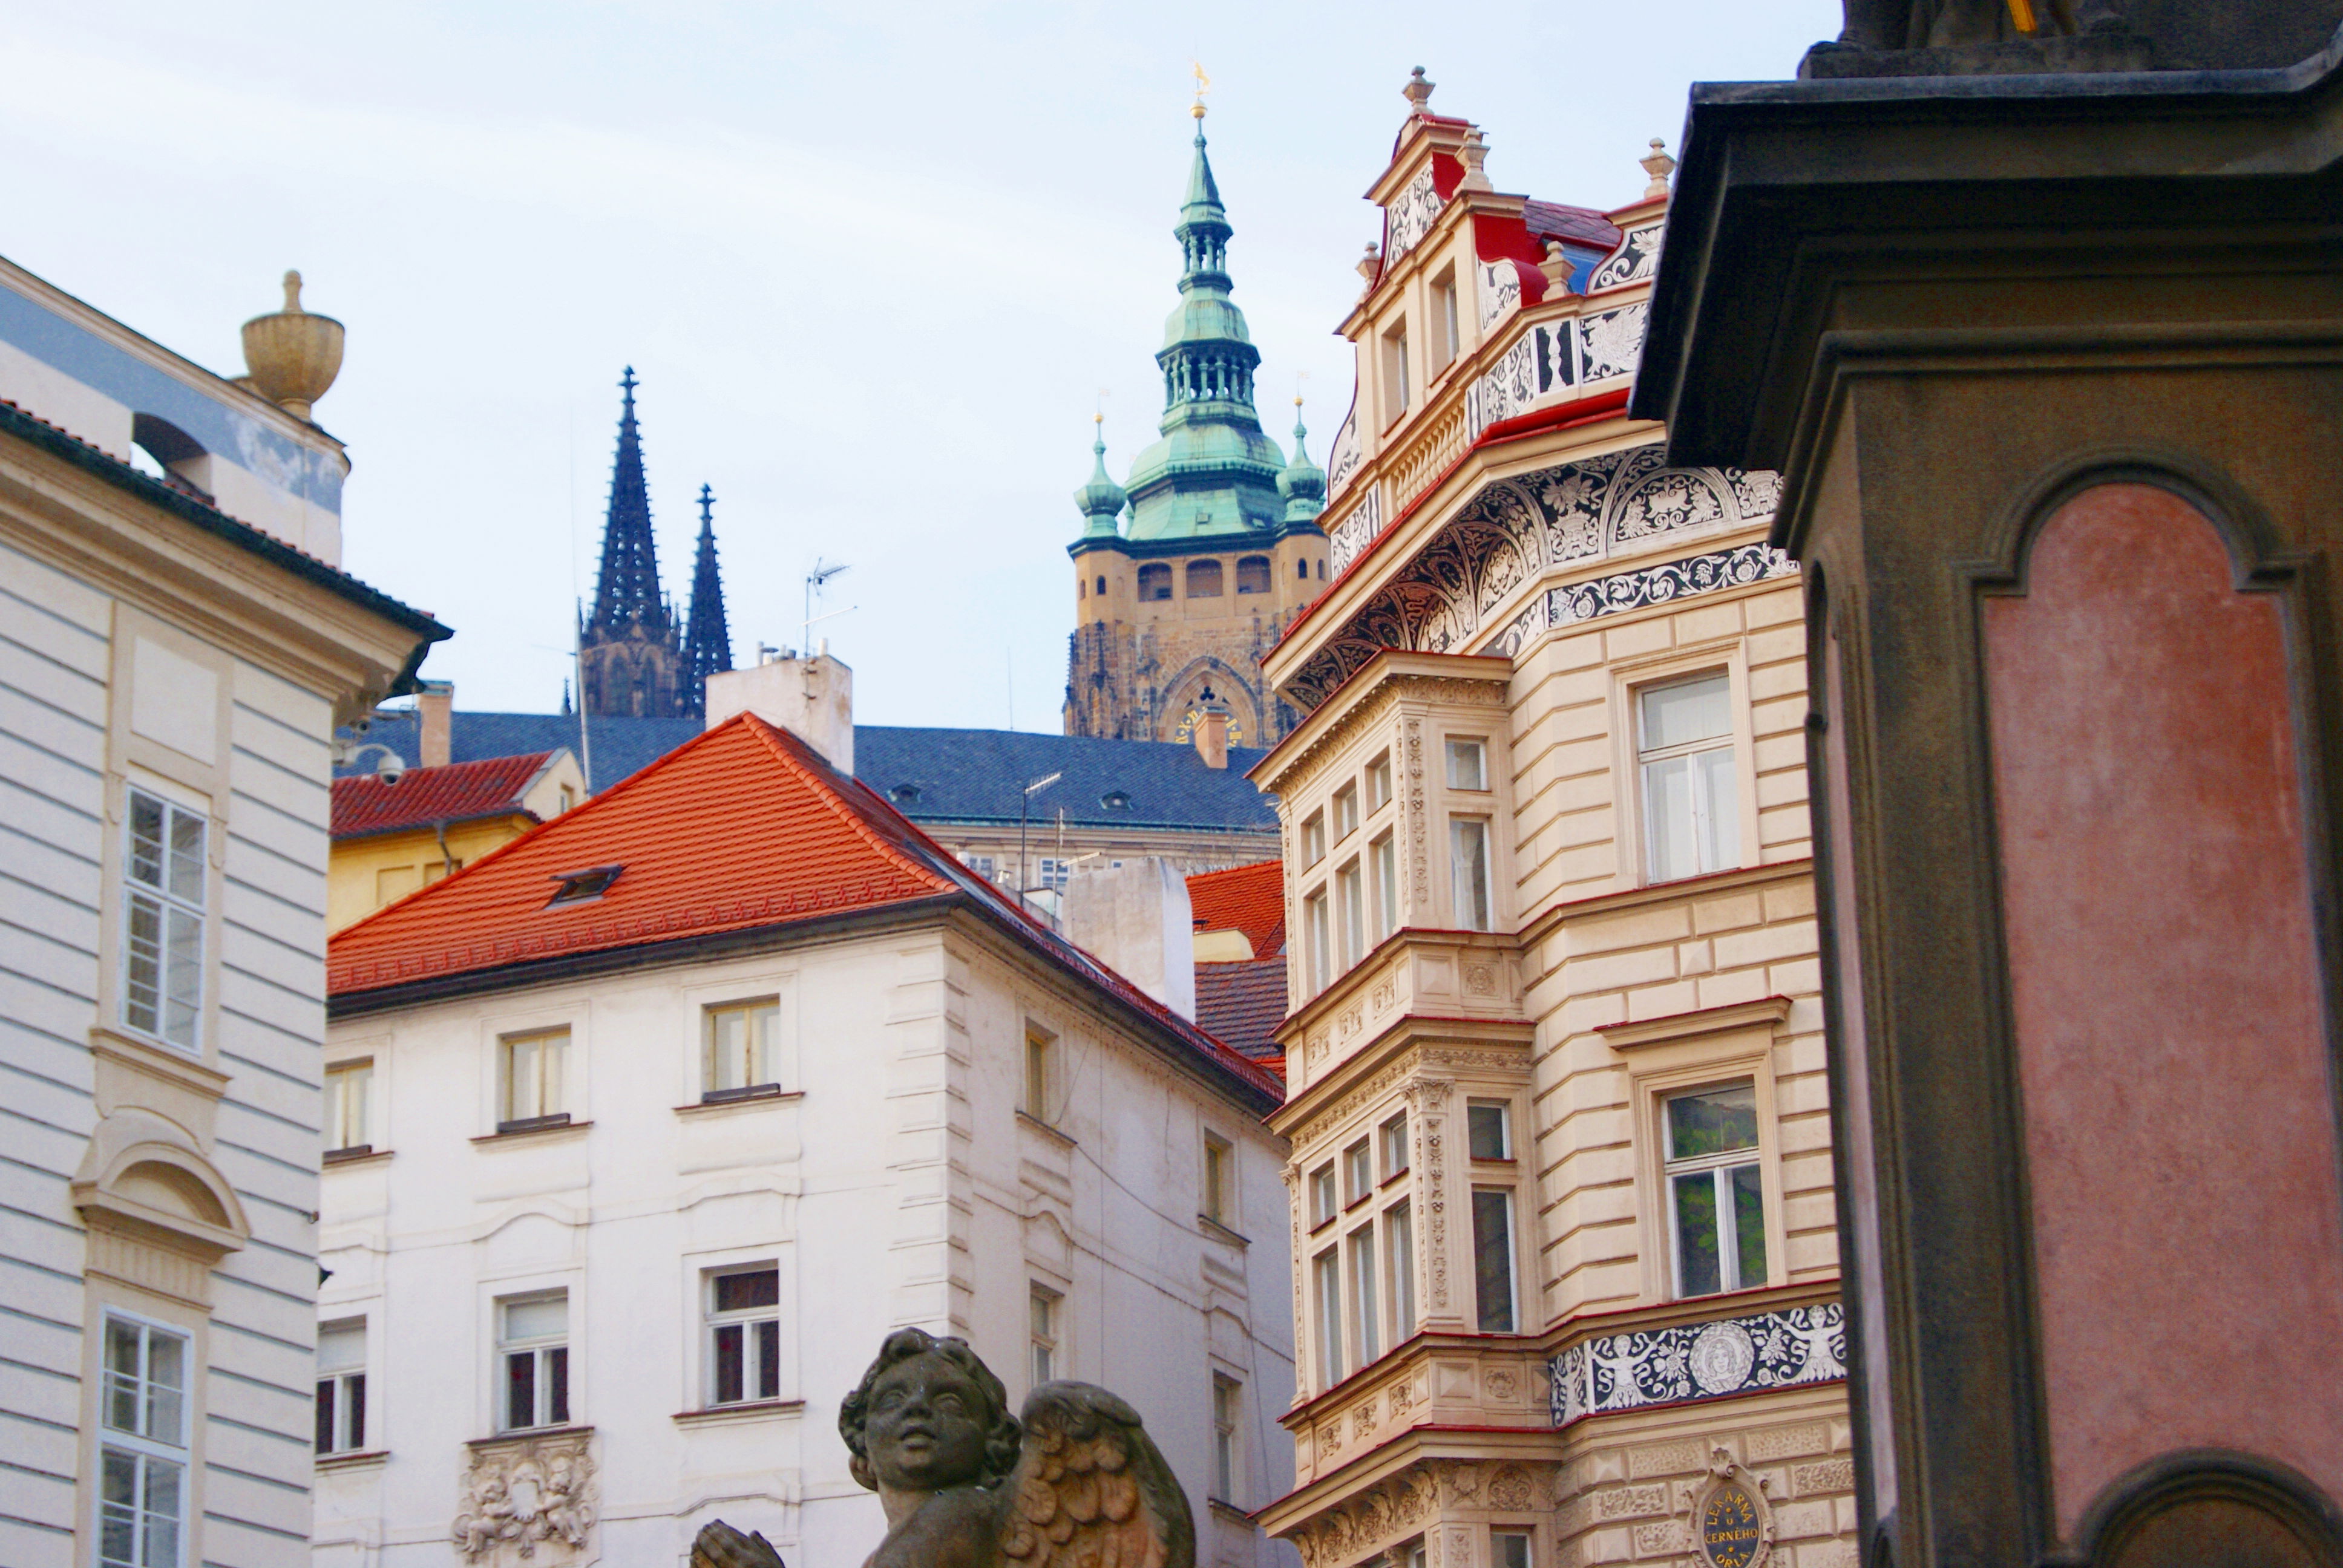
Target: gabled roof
[1248,898]
[458,792]
[741,828]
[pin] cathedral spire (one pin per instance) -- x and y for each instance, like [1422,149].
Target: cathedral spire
[629,588]
[707,639]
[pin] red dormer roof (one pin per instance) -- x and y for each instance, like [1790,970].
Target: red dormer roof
[460,792]
[1248,898]
[742,826]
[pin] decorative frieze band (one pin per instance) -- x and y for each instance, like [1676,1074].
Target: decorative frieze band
[1714,1359]
[1669,580]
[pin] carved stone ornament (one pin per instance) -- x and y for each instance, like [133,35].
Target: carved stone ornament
[528,1500]
[1732,1521]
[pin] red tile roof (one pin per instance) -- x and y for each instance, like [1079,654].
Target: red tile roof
[458,792]
[1248,898]
[1241,1004]
[742,827]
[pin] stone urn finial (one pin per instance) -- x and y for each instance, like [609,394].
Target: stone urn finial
[1418,92]
[1471,154]
[1557,268]
[1371,265]
[1659,165]
[293,356]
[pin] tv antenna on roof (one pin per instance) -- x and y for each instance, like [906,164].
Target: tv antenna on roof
[821,573]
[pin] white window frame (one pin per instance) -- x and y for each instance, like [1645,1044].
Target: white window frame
[1343,813]
[1461,829]
[1351,897]
[1382,899]
[1399,1267]
[1314,838]
[1219,1182]
[1628,678]
[1379,783]
[759,1050]
[1228,1429]
[547,1371]
[1358,1170]
[1326,1284]
[1393,1153]
[169,906]
[1704,806]
[1038,1092]
[1325,1198]
[1317,916]
[756,1368]
[1522,1533]
[1717,1166]
[145,1449]
[1453,749]
[546,1085]
[1512,1196]
[347,1423]
[1362,1283]
[1045,1333]
[345,1080]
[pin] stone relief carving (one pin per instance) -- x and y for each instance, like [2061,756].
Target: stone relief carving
[1729,1516]
[1510,1489]
[1427,1100]
[1501,290]
[1699,1361]
[1419,871]
[1362,1419]
[1637,260]
[1343,458]
[1472,574]
[1500,1382]
[1351,536]
[524,1493]
[1611,342]
[1411,215]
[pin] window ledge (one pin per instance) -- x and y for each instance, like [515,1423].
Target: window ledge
[1401,1174]
[1767,1010]
[745,1411]
[551,1129]
[1220,1232]
[363,1459]
[529,1434]
[169,1062]
[363,1154]
[1027,1119]
[1231,1513]
[740,1101]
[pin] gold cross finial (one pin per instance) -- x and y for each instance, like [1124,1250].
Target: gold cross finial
[1203,86]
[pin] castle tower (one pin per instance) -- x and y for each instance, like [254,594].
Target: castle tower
[1218,552]
[628,651]
[707,637]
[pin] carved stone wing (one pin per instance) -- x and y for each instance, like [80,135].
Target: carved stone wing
[718,1546]
[1091,1489]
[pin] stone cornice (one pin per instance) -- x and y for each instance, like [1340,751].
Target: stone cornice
[1412,1046]
[1393,675]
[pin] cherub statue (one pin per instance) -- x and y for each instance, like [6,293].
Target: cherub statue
[966,1485]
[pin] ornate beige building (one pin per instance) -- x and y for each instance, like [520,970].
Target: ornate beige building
[1565,1260]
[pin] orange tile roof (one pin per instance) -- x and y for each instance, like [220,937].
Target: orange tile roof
[742,827]
[1248,898]
[458,793]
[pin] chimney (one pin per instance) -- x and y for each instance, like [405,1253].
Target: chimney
[437,707]
[1211,730]
[1135,919]
[812,699]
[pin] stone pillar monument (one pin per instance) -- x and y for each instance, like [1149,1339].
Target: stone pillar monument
[2052,364]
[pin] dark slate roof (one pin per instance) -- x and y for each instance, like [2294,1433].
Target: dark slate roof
[1241,1004]
[960,775]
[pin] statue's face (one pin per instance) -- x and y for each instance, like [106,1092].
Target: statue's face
[926,1427]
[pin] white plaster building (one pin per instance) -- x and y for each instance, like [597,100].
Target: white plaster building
[171,671]
[631,1184]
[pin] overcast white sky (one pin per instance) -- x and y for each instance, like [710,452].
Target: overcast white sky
[871,263]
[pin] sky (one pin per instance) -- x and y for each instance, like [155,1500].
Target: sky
[876,266]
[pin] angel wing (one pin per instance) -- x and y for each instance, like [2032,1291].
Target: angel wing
[1090,1489]
[718,1546]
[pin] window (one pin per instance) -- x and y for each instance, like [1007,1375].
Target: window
[1364,1288]
[1041,1311]
[1321,1195]
[1468,765]
[533,1346]
[1358,1171]
[1154,581]
[1301,570]
[1379,782]
[1509,1549]
[163,907]
[349,1085]
[1100,588]
[740,1052]
[582,887]
[1314,838]
[1489,1128]
[1253,574]
[1203,579]
[1393,1136]
[1220,1179]
[1322,568]
[1716,1195]
[1396,379]
[1685,754]
[744,1336]
[530,1078]
[1346,811]
[1385,859]
[1493,1259]
[982,865]
[1226,1402]
[1446,341]
[1053,875]
[1313,912]
[1412,1554]
[143,1452]
[1326,1278]
[1399,1265]
[1349,890]
[1040,1048]
[1468,861]
[341,1387]
[569,799]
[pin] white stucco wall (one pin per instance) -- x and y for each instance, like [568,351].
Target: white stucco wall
[897,1185]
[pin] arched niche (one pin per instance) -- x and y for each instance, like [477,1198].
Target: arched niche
[144,1174]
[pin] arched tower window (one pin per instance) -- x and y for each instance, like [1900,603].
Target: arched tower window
[1203,579]
[1253,574]
[179,459]
[1154,581]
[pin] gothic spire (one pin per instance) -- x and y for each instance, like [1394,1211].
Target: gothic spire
[707,639]
[629,588]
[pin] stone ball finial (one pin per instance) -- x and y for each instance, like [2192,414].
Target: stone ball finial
[1659,165]
[293,356]
[1418,92]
